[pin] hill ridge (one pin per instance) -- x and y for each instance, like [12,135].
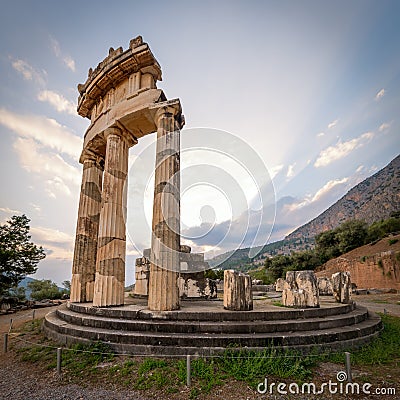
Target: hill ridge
[373,199]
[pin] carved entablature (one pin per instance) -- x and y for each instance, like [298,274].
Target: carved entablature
[122,74]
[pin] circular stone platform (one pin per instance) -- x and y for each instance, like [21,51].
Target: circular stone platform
[205,328]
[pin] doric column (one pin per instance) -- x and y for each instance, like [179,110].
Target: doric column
[165,246]
[110,264]
[84,263]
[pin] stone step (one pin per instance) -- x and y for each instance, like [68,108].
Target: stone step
[173,351]
[206,311]
[249,327]
[69,333]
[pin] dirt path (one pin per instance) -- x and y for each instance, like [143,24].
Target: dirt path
[20,317]
[380,303]
[21,380]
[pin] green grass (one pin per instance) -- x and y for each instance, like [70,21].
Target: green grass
[251,366]
[168,376]
[384,349]
[83,359]
[378,301]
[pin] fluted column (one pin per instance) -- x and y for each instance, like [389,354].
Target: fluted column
[84,262]
[111,247]
[165,246]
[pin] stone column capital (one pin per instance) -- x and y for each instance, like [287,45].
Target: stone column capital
[90,155]
[120,130]
[112,131]
[169,109]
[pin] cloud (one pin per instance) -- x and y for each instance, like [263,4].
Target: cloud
[380,94]
[46,131]
[360,169]
[65,58]
[275,170]
[28,72]
[58,101]
[324,192]
[57,174]
[7,210]
[341,149]
[36,207]
[58,245]
[290,170]
[333,124]
[57,184]
[321,134]
[384,126]
[327,188]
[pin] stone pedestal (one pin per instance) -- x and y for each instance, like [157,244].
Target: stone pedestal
[280,284]
[325,286]
[110,265]
[142,273]
[237,291]
[302,289]
[84,263]
[165,244]
[341,286]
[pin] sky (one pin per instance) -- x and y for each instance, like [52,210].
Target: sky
[288,105]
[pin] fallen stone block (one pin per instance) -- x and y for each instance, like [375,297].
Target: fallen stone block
[237,291]
[280,284]
[301,289]
[325,286]
[341,286]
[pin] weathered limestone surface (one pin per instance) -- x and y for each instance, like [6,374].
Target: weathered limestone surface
[295,298]
[191,281]
[121,99]
[165,245]
[85,252]
[324,286]
[302,290]
[280,284]
[375,270]
[211,290]
[195,285]
[110,265]
[238,295]
[341,286]
[142,274]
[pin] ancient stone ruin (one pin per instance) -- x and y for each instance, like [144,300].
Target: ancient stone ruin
[121,99]
[325,286]
[280,284]
[237,291]
[191,280]
[341,287]
[123,103]
[301,289]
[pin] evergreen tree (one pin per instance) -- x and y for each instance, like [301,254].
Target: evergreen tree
[18,255]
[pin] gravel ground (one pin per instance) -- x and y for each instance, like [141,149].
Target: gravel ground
[20,382]
[23,380]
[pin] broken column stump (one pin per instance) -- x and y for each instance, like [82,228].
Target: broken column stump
[325,286]
[301,290]
[280,284]
[341,286]
[142,273]
[237,291]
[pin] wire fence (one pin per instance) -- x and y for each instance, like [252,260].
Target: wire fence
[18,336]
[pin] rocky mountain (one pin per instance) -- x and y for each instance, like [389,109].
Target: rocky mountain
[373,199]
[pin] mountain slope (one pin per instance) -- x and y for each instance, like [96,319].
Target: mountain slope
[373,199]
